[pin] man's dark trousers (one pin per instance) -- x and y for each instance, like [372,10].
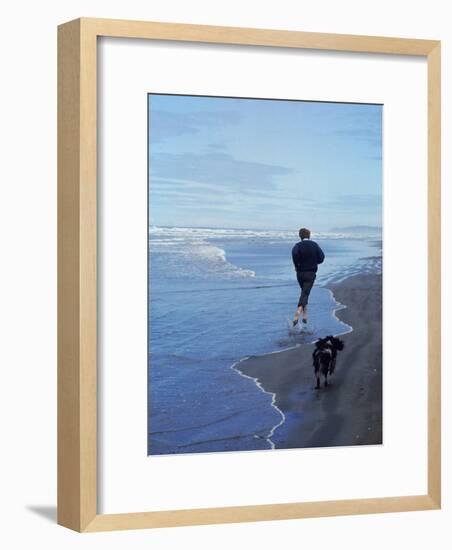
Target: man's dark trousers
[305,280]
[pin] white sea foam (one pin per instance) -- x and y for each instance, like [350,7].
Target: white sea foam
[191,253]
[272,404]
[371,265]
[170,233]
[338,306]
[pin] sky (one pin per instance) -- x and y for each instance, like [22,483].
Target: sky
[263,164]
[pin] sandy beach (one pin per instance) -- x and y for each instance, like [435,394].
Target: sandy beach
[349,410]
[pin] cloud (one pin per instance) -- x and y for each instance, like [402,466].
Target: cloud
[352,203]
[217,146]
[358,200]
[167,124]
[196,188]
[363,126]
[219,170]
[372,138]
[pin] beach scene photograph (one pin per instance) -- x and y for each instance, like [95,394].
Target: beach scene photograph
[265,257]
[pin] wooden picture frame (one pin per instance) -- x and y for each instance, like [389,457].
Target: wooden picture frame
[77,203]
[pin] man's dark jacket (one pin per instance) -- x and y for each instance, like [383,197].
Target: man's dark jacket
[306,255]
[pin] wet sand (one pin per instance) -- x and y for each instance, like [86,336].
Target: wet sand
[349,410]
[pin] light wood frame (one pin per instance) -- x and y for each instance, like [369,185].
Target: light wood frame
[77,203]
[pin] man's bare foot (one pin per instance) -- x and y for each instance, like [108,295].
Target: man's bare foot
[305,314]
[297,316]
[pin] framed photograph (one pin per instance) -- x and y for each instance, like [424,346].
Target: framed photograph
[248,274]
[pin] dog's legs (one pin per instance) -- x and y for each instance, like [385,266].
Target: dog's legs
[332,366]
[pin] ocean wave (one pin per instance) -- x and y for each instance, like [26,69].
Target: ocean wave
[194,255]
[167,234]
[369,265]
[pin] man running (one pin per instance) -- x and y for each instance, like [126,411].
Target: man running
[306,256]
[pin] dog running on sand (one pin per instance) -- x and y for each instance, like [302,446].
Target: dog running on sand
[324,357]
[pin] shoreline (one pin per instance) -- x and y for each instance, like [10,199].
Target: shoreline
[349,411]
[268,437]
[235,367]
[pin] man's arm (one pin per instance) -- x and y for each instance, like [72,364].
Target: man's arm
[295,257]
[320,255]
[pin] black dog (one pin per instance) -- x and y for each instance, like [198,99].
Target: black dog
[324,357]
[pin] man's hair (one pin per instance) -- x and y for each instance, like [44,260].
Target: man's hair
[304,233]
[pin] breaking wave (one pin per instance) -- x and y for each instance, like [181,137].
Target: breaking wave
[166,234]
[188,252]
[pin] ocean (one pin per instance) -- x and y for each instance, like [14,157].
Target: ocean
[217,296]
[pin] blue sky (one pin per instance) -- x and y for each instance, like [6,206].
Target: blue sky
[263,164]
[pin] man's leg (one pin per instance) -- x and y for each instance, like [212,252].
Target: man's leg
[308,279]
[299,310]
